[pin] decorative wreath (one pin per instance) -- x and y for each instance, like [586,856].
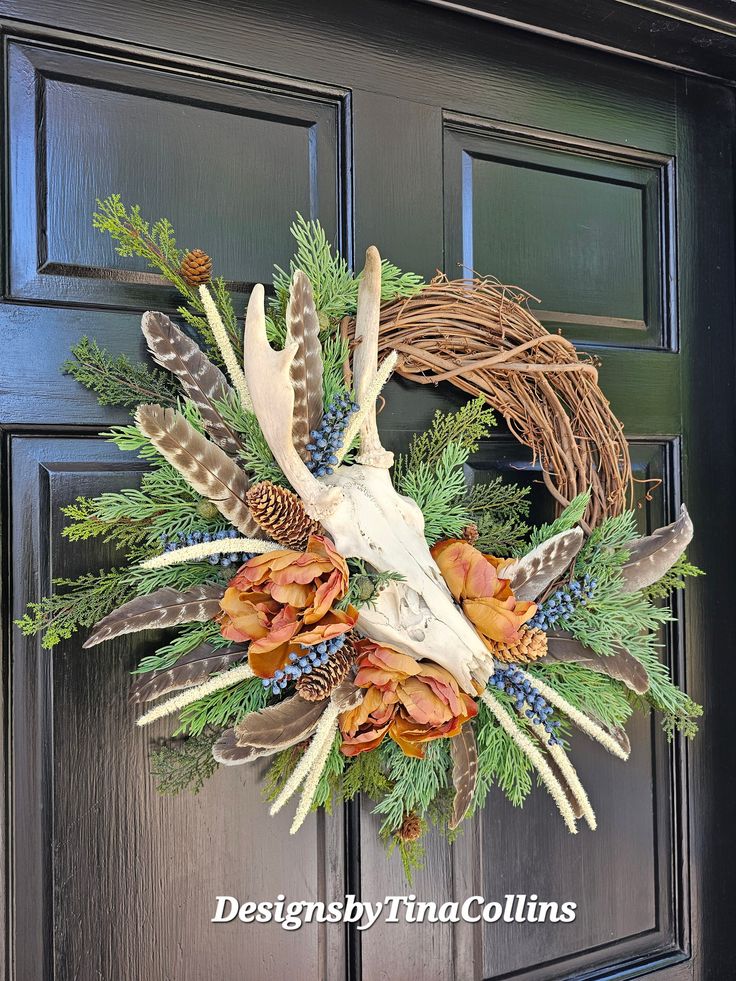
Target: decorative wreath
[367,621]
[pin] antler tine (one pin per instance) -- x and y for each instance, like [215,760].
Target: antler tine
[365,360]
[267,373]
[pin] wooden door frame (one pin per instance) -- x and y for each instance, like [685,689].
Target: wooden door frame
[700,40]
[696,42]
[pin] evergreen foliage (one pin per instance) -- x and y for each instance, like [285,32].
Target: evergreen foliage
[189,637]
[75,603]
[500,762]
[222,708]
[432,471]
[156,244]
[116,380]
[439,491]
[334,285]
[499,510]
[184,764]
[571,516]
[416,782]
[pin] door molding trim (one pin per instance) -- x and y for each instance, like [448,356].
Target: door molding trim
[658,32]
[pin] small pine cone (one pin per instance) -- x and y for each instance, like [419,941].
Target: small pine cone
[533,645]
[320,683]
[411,827]
[281,515]
[196,267]
[470,533]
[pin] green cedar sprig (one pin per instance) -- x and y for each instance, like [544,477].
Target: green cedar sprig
[222,708]
[115,379]
[134,236]
[76,603]
[184,764]
[569,518]
[189,637]
[439,490]
[334,285]
[499,510]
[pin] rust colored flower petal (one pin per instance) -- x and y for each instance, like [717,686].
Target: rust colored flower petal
[465,570]
[293,593]
[496,620]
[422,703]
[327,594]
[333,624]
[265,663]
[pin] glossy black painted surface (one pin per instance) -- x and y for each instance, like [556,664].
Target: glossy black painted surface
[604,186]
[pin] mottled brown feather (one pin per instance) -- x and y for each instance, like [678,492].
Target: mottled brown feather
[227,752]
[280,725]
[163,608]
[533,573]
[208,469]
[302,326]
[620,666]
[650,557]
[191,669]
[464,772]
[201,380]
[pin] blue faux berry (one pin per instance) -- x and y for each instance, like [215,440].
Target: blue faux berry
[511,680]
[560,606]
[327,440]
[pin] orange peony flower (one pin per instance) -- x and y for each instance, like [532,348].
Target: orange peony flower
[476,581]
[280,600]
[413,701]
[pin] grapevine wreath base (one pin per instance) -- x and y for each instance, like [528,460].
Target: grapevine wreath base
[367,622]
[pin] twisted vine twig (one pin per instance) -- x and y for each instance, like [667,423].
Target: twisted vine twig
[483,340]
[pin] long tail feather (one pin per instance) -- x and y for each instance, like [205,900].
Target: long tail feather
[192,669]
[302,327]
[464,772]
[620,666]
[163,608]
[650,557]
[202,381]
[533,573]
[209,470]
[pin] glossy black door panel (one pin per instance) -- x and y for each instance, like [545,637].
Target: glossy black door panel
[604,187]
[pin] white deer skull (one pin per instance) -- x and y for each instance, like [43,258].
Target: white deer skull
[358,505]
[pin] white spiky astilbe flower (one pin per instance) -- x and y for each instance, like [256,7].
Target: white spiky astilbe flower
[225,680]
[369,401]
[203,550]
[313,777]
[582,721]
[569,772]
[226,349]
[311,760]
[535,757]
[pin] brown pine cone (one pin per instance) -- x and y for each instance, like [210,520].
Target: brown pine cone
[470,533]
[411,827]
[324,679]
[281,515]
[196,267]
[533,645]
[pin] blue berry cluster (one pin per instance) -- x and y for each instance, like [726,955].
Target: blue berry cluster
[327,440]
[560,605]
[224,558]
[528,700]
[312,657]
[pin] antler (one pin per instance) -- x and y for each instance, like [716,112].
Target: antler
[365,361]
[267,374]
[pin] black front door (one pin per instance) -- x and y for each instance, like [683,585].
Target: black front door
[603,186]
